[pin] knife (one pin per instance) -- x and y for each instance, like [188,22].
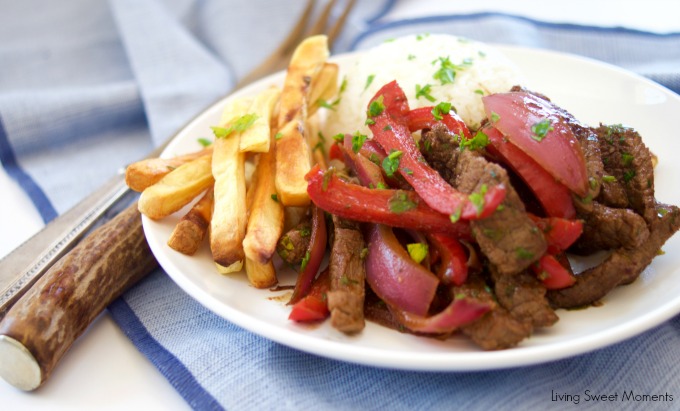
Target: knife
[43,324]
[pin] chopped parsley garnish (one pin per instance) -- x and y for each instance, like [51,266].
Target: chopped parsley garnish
[424,92]
[608,179]
[278,136]
[480,92]
[407,170]
[340,138]
[305,261]
[523,253]
[275,197]
[369,80]
[400,203]
[446,73]
[422,36]
[204,141]
[417,251]
[358,141]
[326,179]
[305,231]
[456,215]
[440,110]
[540,130]
[628,175]
[376,107]
[326,104]
[391,163]
[479,141]
[627,159]
[411,57]
[495,117]
[477,198]
[239,125]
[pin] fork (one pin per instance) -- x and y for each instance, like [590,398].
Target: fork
[20,269]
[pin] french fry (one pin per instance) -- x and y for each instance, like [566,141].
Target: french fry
[256,137]
[260,275]
[292,150]
[145,173]
[192,228]
[265,222]
[324,89]
[228,224]
[177,188]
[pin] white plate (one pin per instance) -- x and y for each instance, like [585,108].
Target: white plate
[593,92]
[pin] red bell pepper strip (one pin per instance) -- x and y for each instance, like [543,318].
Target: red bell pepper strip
[394,276]
[392,133]
[452,259]
[312,260]
[559,233]
[396,208]
[459,312]
[536,127]
[553,196]
[552,274]
[334,152]
[423,118]
[313,306]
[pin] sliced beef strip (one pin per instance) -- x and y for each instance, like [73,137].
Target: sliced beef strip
[497,329]
[347,293]
[440,149]
[524,297]
[607,228]
[508,237]
[623,266]
[628,160]
[292,246]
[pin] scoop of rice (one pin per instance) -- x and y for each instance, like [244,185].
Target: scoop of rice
[421,61]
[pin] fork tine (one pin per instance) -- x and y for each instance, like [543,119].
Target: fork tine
[320,26]
[279,57]
[339,23]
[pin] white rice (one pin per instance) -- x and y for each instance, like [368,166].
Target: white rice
[413,60]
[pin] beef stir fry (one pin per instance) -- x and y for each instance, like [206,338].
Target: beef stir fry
[435,230]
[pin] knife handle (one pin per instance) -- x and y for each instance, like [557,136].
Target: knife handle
[41,326]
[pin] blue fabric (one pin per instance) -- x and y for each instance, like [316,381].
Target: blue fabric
[86,87]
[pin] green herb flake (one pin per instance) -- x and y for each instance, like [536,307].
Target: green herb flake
[305,231]
[275,197]
[424,92]
[456,215]
[364,253]
[340,138]
[387,127]
[344,280]
[422,36]
[327,175]
[239,125]
[376,107]
[440,110]
[417,251]
[495,117]
[278,136]
[369,80]
[479,91]
[446,73]
[628,175]
[477,198]
[358,140]
[523,253]
[540,130]
[627,159]
[411,57]
[381,186]
[400,202]
[328,104]
[407,170]
[479,141]
[305,261]
[391,163]
[204,142]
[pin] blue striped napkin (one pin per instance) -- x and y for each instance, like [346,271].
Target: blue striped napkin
[79,97]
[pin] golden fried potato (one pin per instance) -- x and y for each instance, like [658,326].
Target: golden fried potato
[192,228]
[260,275]
[265,220]
[256,137]
[145,173]
[324,89]
[177,188]
[228,225]
[292,151]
